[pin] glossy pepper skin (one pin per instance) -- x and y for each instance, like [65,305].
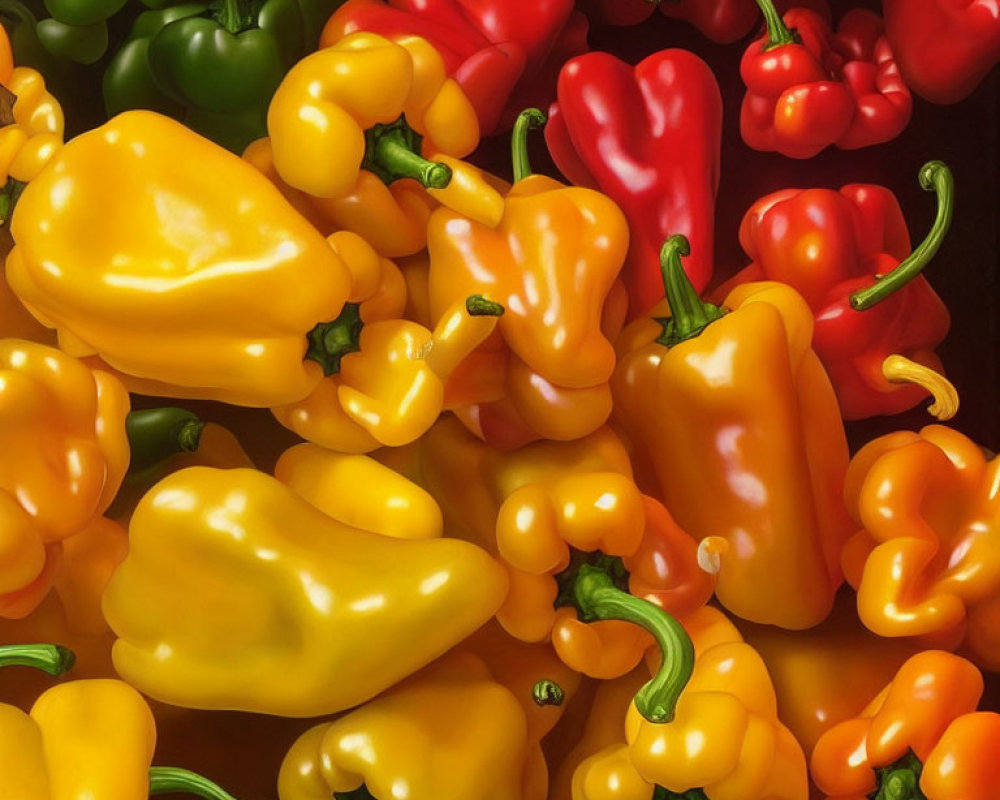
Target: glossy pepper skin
[495,51]
[448,731]
[366,610]
[922,559]
[545,529]
[549,363]
[920,730]
[16,321]
[737,428]
[207,305]
[809,87]
[36,133]
[944,49]
[830,246]
[88,739]
[648,136]
[62,436]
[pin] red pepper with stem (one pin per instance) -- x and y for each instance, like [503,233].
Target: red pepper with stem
[809,87]
[944,47]
[649,137]
[848,254]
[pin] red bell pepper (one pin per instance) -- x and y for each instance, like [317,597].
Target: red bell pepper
[831,247]
[808,87]
[649,137]
[490,47]
[944,47]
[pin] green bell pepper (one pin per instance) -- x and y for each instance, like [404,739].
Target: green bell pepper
[81,13]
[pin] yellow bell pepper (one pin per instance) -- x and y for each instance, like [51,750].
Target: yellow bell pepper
[449,731]
[233,583]
[351,119]
[208,291]
[88,740]
[36,134]
[64,454]
[16,321]
[389,387]
[361,492]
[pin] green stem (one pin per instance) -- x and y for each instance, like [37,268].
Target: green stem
[478,306]
[51,658]
[236,16]
[689,316]
[9,196]
[899,780]
[155,434]
[330,341]
[167,780]
[547,693]
[598,598]
[527,120]
[934,177]
[393,151]
[778,34]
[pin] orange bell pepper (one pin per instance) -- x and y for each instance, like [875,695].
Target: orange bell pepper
[737,426]
[64,454]
[921,730]
[924,562]
[546,373]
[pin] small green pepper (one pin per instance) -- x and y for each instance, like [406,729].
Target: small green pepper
[81,13]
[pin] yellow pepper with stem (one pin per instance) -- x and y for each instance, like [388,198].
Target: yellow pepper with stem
[233,583]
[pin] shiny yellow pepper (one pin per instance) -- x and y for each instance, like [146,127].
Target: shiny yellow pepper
[209,289]
[449,731]
[63,454]
[88,740]
[36,134]
[239,594]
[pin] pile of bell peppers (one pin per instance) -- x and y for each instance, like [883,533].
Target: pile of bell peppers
[494,400]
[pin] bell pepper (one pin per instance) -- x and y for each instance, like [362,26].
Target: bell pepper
[348,612]
[550,361]
[16,321]
[808,87]
[360,492]
[944,49]
[547,530]
[34,136]
[736,424]
[88,738]
[828,673]
[922,559]
[62,436]
[832,246]
[448,731]
[495,51]
[918,738]
[649,136]
[206,305]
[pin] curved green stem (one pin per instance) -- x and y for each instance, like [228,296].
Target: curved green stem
[598,598]
[167,780]
[689,316]
[899,780]
[547,693]
[478,306]
[155,434]
[51,658]
[778,34]
[527,120]
[934,177]
[393,151]
[330,341]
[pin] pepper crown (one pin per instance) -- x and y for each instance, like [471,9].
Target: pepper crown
[393,151]
[935,176]
[330,341]
[778,34]
[899,780]
[689,316]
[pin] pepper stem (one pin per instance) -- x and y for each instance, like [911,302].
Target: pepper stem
[689,316]
[598,598]
[235,16]
[51,658]
[900,780]
[547,693]
[9,196]
[361,793]
[934,177]
[527,120]
[155,434]
[167,780]
[330,341]
[778,34]
[478,306]
[393,151]
[900,369]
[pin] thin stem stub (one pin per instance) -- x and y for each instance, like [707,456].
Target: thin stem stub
[527,120]
[170,780]
[330,341]
[392,152]
[478,306]
[156,434]
[51,658]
